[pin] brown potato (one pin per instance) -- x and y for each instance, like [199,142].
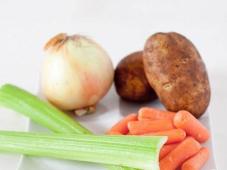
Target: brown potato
[177,73]
[130,80]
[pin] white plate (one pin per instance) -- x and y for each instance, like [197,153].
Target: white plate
[110,110]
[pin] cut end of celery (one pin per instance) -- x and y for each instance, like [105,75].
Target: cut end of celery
[155,165]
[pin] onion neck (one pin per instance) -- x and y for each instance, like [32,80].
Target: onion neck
[56,42]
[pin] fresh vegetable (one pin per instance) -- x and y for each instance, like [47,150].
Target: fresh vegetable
[154,114]
[146,126]
[76,73]
[177,73]
[182,152]
[174,135]
[197,161]
[191,126]
[130,80]
[39,111]
[131,151]
[42,113]
[121,127]
[166,149]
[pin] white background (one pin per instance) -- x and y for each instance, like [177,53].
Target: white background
[120,27]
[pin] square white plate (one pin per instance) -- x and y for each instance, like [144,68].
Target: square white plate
[109,111]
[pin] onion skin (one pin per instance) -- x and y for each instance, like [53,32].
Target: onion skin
[76,72]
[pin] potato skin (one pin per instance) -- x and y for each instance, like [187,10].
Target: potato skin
[177,73]
[130,79]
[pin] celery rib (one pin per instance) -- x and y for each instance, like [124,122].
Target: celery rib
[129,151]
[39,111]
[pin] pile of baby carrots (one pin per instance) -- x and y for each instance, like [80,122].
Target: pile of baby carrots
[183,149]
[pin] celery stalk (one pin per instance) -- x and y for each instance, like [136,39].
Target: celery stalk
[39,111]
[129,151]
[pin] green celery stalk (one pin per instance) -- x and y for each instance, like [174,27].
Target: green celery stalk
[38,110]
[129,151]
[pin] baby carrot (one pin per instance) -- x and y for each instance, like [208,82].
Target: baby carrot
[193,127]
[166,149]
[154,114]
[197,161]
[147,126]
[174,135]
[182,152]
[121,127]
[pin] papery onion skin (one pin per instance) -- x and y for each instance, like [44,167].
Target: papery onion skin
[76,72]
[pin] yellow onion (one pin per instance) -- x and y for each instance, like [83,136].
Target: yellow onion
[76,73]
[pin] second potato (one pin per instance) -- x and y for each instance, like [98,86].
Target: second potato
[130,80]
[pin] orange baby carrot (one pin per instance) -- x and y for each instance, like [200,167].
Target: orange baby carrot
[174,135]
[166,149]
[191,126]
[147,126]
[154,114]
[121,127]
[182,152]
[197,161]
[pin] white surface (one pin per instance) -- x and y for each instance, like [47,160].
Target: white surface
[111,112]
[119,26]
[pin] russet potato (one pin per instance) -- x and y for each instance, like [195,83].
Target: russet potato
[177,73]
